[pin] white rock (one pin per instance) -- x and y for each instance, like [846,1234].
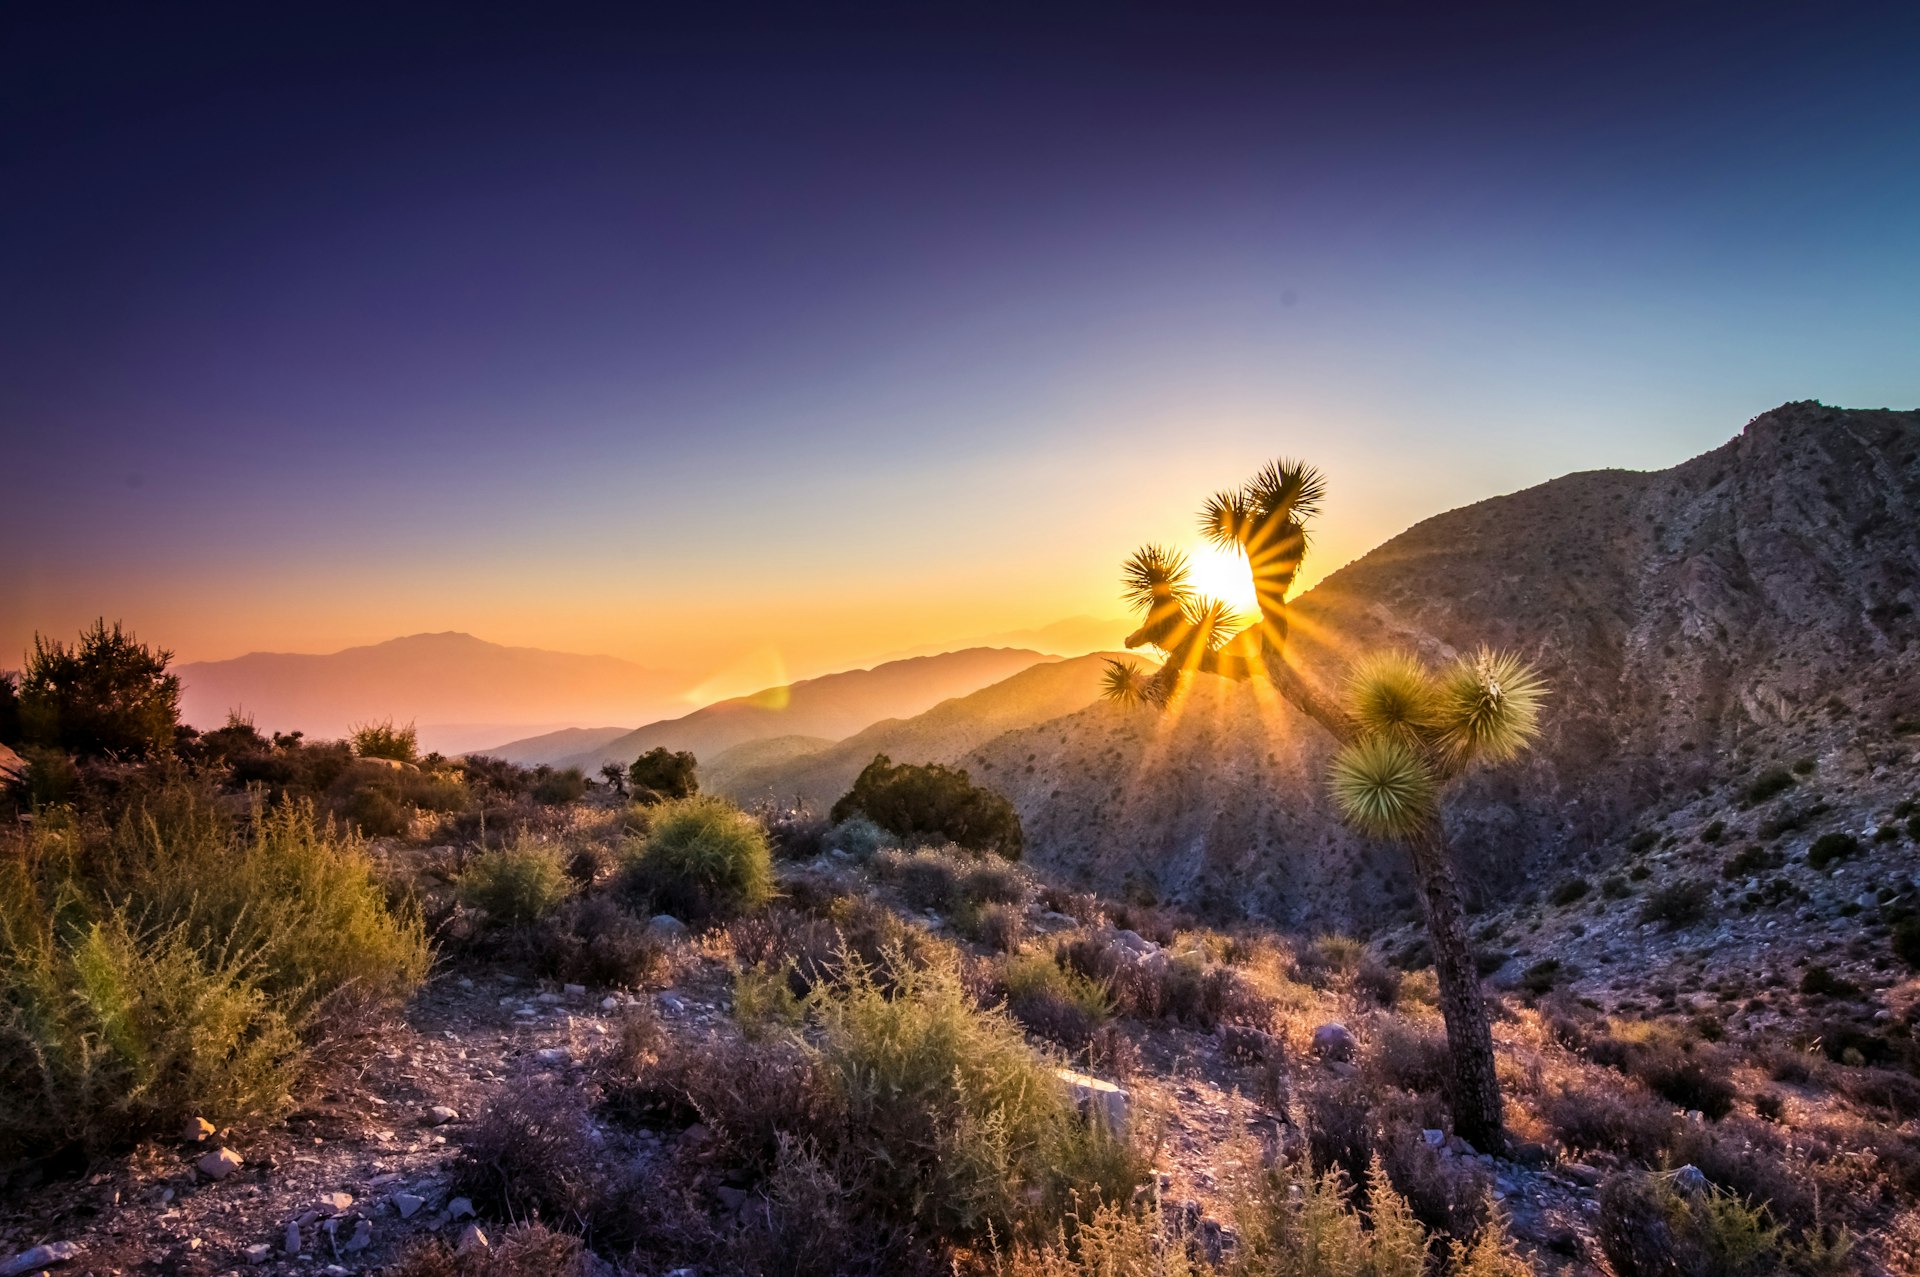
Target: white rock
[553,1055]
[333,1204]
[219,1164]
[258,1253]
[39,1257]
[1098,1098]
[609,1003]
[440,1115]
[574,990]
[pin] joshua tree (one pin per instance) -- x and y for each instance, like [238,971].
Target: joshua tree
[1403,731]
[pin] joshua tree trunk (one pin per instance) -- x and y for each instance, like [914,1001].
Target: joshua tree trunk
[1475,1093]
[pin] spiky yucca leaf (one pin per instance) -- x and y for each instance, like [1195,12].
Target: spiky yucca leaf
[1383,787]
[1153,574]
[1211,622]
[1226,519]
[1288,489]
[1125,682]
[1489,706]
[1391,693]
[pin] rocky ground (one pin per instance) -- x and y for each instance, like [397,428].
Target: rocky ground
[361,1167]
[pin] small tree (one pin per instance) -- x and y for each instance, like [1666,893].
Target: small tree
[384,740]
[660,775]
[10,711]
[615,777]
[107,696]
[1404,732]
[909,800]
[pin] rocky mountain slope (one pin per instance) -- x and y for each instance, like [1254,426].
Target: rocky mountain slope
[1699,625]
[832,706]
[551,747]
[461,691]
[943,734]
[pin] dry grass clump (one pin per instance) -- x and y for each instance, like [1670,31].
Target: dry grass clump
[529,1249]
[1184,987]
[1052,1002]
[1658,1225]
[531,1153]
[702,859]
[180,964]
[517,886]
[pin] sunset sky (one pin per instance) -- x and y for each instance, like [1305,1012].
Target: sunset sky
[753,343]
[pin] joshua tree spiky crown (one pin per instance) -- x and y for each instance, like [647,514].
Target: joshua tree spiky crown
[1407,729]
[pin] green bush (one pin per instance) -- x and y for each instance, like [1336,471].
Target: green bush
[556,787]
[1678,904]
[517,885]
[703,858]
[106,696]
[1714,833]
[858,837]
[1571,890]
[174,965]
[1767,784]
[661,775]
[384,740]
[933,801]
[1649,1227]
[1828,848]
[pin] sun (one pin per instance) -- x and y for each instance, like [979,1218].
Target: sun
[1222,574]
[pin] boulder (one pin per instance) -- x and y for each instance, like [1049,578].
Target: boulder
[219,1164]
[1099,1100]
[664,926]
[1245,1043]
[39,1257]
[198,1131]
[1333,1042]
[439,1115]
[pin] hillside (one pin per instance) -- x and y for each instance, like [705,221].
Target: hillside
[1752,607]
[462,692]
[551,747]
[832,706]
[943,734]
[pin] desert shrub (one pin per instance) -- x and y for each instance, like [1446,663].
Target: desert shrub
[591,940]
[954,1118]
[1448,1195]
[764,999]
[385,740]
[495,775]
[663,775]
[1059,1005]
[528,1249]
[1648,1226]
[1413,1057]
[1828,848]
[1714,832]
[794,833]
[859,838]
[1339,1127]
[1184,987]
[913,801]
[927,879]
[1609,1119]
[531,1152]
[378,813]
[704,858]
[1818,980]
[1000,927]
[175,965]
[1571,890]
[994,882]
[1678,904]
[558,786]
[1749,862]
[1541,976]
[516,885]
[108,695]
[10,731]
[1906,940]
[1615,887]
[1768,784]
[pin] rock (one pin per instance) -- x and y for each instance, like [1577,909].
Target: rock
[574,990]
[1054,918]
[460,1208]
[672,1003]
[1333,1042]
[219,1164]
[291,1243]
[257,1254]
[553,1055]
[549,999]
[472,1241]
[1580,1173]
[1434,1139]
[1690,1180]
[362,1236]
[332,1204]
[609,1003]
[664,926]
[1246,1043]
[198,1131]
[1135,941]
[1100,1100]
[439,1115]
[39,1257]
[407,1205]
[1343,1069]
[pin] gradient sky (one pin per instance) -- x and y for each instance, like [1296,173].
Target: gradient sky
[730,343]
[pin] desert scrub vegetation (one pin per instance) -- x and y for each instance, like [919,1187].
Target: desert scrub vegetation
[918,803]
[180,963]
[702,859]
[518,885]
[400,744]
[1678,1225]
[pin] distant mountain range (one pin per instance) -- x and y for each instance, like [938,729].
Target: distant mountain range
[461,692]
[786,768]
[829,708]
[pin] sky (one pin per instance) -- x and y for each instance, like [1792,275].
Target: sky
[732,340]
